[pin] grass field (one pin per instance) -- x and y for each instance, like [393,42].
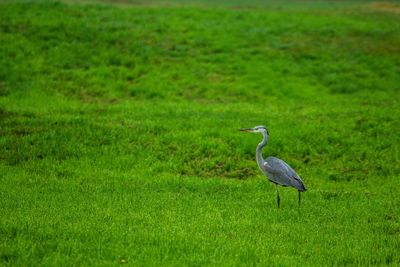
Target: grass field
[119,139]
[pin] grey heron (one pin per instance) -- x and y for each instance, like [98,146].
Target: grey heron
[277,171]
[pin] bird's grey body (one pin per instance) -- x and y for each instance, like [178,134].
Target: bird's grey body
[277,171]
[281,173]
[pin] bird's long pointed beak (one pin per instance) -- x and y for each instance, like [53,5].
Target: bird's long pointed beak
[246,130]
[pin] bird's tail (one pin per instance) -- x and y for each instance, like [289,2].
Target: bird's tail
[298,184]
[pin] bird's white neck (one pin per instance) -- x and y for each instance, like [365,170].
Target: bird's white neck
[260,159]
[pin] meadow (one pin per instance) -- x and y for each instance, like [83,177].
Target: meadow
[119,139]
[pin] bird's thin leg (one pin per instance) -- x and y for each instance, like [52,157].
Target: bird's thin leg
[299,198]
[277,194]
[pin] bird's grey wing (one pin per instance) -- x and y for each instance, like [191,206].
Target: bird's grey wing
[280,166]
[283,173]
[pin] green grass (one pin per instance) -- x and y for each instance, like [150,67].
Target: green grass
[119,138]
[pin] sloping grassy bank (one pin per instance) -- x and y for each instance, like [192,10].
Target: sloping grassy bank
[119,141]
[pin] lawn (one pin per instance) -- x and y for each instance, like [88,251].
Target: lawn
[119,139]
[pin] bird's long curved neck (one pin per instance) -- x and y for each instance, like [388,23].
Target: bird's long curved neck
[260,159]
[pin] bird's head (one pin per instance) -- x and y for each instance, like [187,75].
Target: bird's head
[257,129]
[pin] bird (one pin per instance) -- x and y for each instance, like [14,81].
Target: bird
[277,171]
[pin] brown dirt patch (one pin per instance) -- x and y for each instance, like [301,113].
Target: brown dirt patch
[386,7]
